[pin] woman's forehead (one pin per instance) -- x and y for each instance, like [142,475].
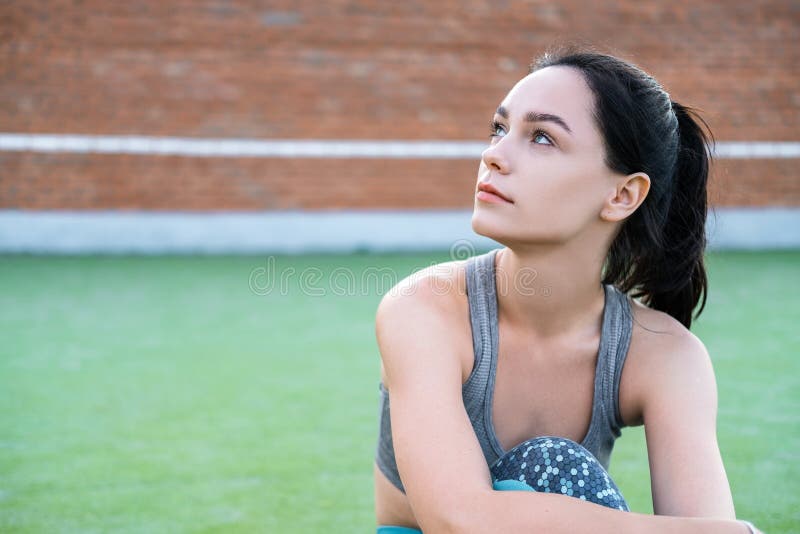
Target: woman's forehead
[560,91]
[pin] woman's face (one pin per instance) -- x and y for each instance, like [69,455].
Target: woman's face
[546,156]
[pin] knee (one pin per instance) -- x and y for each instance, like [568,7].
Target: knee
[556,465]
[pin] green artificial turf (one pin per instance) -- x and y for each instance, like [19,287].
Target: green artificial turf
[163,394]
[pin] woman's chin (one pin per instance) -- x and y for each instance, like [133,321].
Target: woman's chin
[489,229]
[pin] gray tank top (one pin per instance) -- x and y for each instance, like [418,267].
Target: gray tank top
[477,391]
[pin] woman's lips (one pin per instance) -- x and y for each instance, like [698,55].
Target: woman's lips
[491,198]
[489,193]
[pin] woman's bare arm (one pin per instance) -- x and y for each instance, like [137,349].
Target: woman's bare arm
[443,469]
[679,406]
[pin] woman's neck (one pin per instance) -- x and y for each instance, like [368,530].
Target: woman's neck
[550,291]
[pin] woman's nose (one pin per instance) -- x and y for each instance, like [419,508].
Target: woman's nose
[494,159]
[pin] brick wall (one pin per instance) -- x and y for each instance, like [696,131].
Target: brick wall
[355,70]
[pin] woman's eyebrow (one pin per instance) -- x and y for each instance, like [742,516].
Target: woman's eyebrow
[535,116]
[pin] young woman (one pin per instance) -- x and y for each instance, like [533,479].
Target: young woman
[512,372]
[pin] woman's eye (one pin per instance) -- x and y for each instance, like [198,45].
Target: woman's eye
[539,133]
[496,129]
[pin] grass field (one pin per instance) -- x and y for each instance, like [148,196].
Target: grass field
[184,394]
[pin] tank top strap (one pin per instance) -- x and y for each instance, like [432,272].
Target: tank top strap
[480,291]
[616,337]
[482,299]
[605,424]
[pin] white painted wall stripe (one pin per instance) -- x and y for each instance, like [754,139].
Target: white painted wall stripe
[48,232]
[302,148]
[239,147]
[748,150]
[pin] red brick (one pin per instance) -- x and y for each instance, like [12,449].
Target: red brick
[355,70]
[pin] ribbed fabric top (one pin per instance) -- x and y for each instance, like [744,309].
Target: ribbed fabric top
[478,390]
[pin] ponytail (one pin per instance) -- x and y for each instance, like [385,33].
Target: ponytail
[683,282]
[658,253]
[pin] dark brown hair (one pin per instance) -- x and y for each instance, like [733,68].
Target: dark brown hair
[658,251]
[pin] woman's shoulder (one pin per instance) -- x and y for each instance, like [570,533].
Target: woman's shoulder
[664,359]
[437,286]
[659,335]
[428,306]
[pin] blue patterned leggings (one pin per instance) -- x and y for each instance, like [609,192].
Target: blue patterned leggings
[550,465]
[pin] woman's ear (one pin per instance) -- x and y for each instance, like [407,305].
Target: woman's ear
[629,192]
